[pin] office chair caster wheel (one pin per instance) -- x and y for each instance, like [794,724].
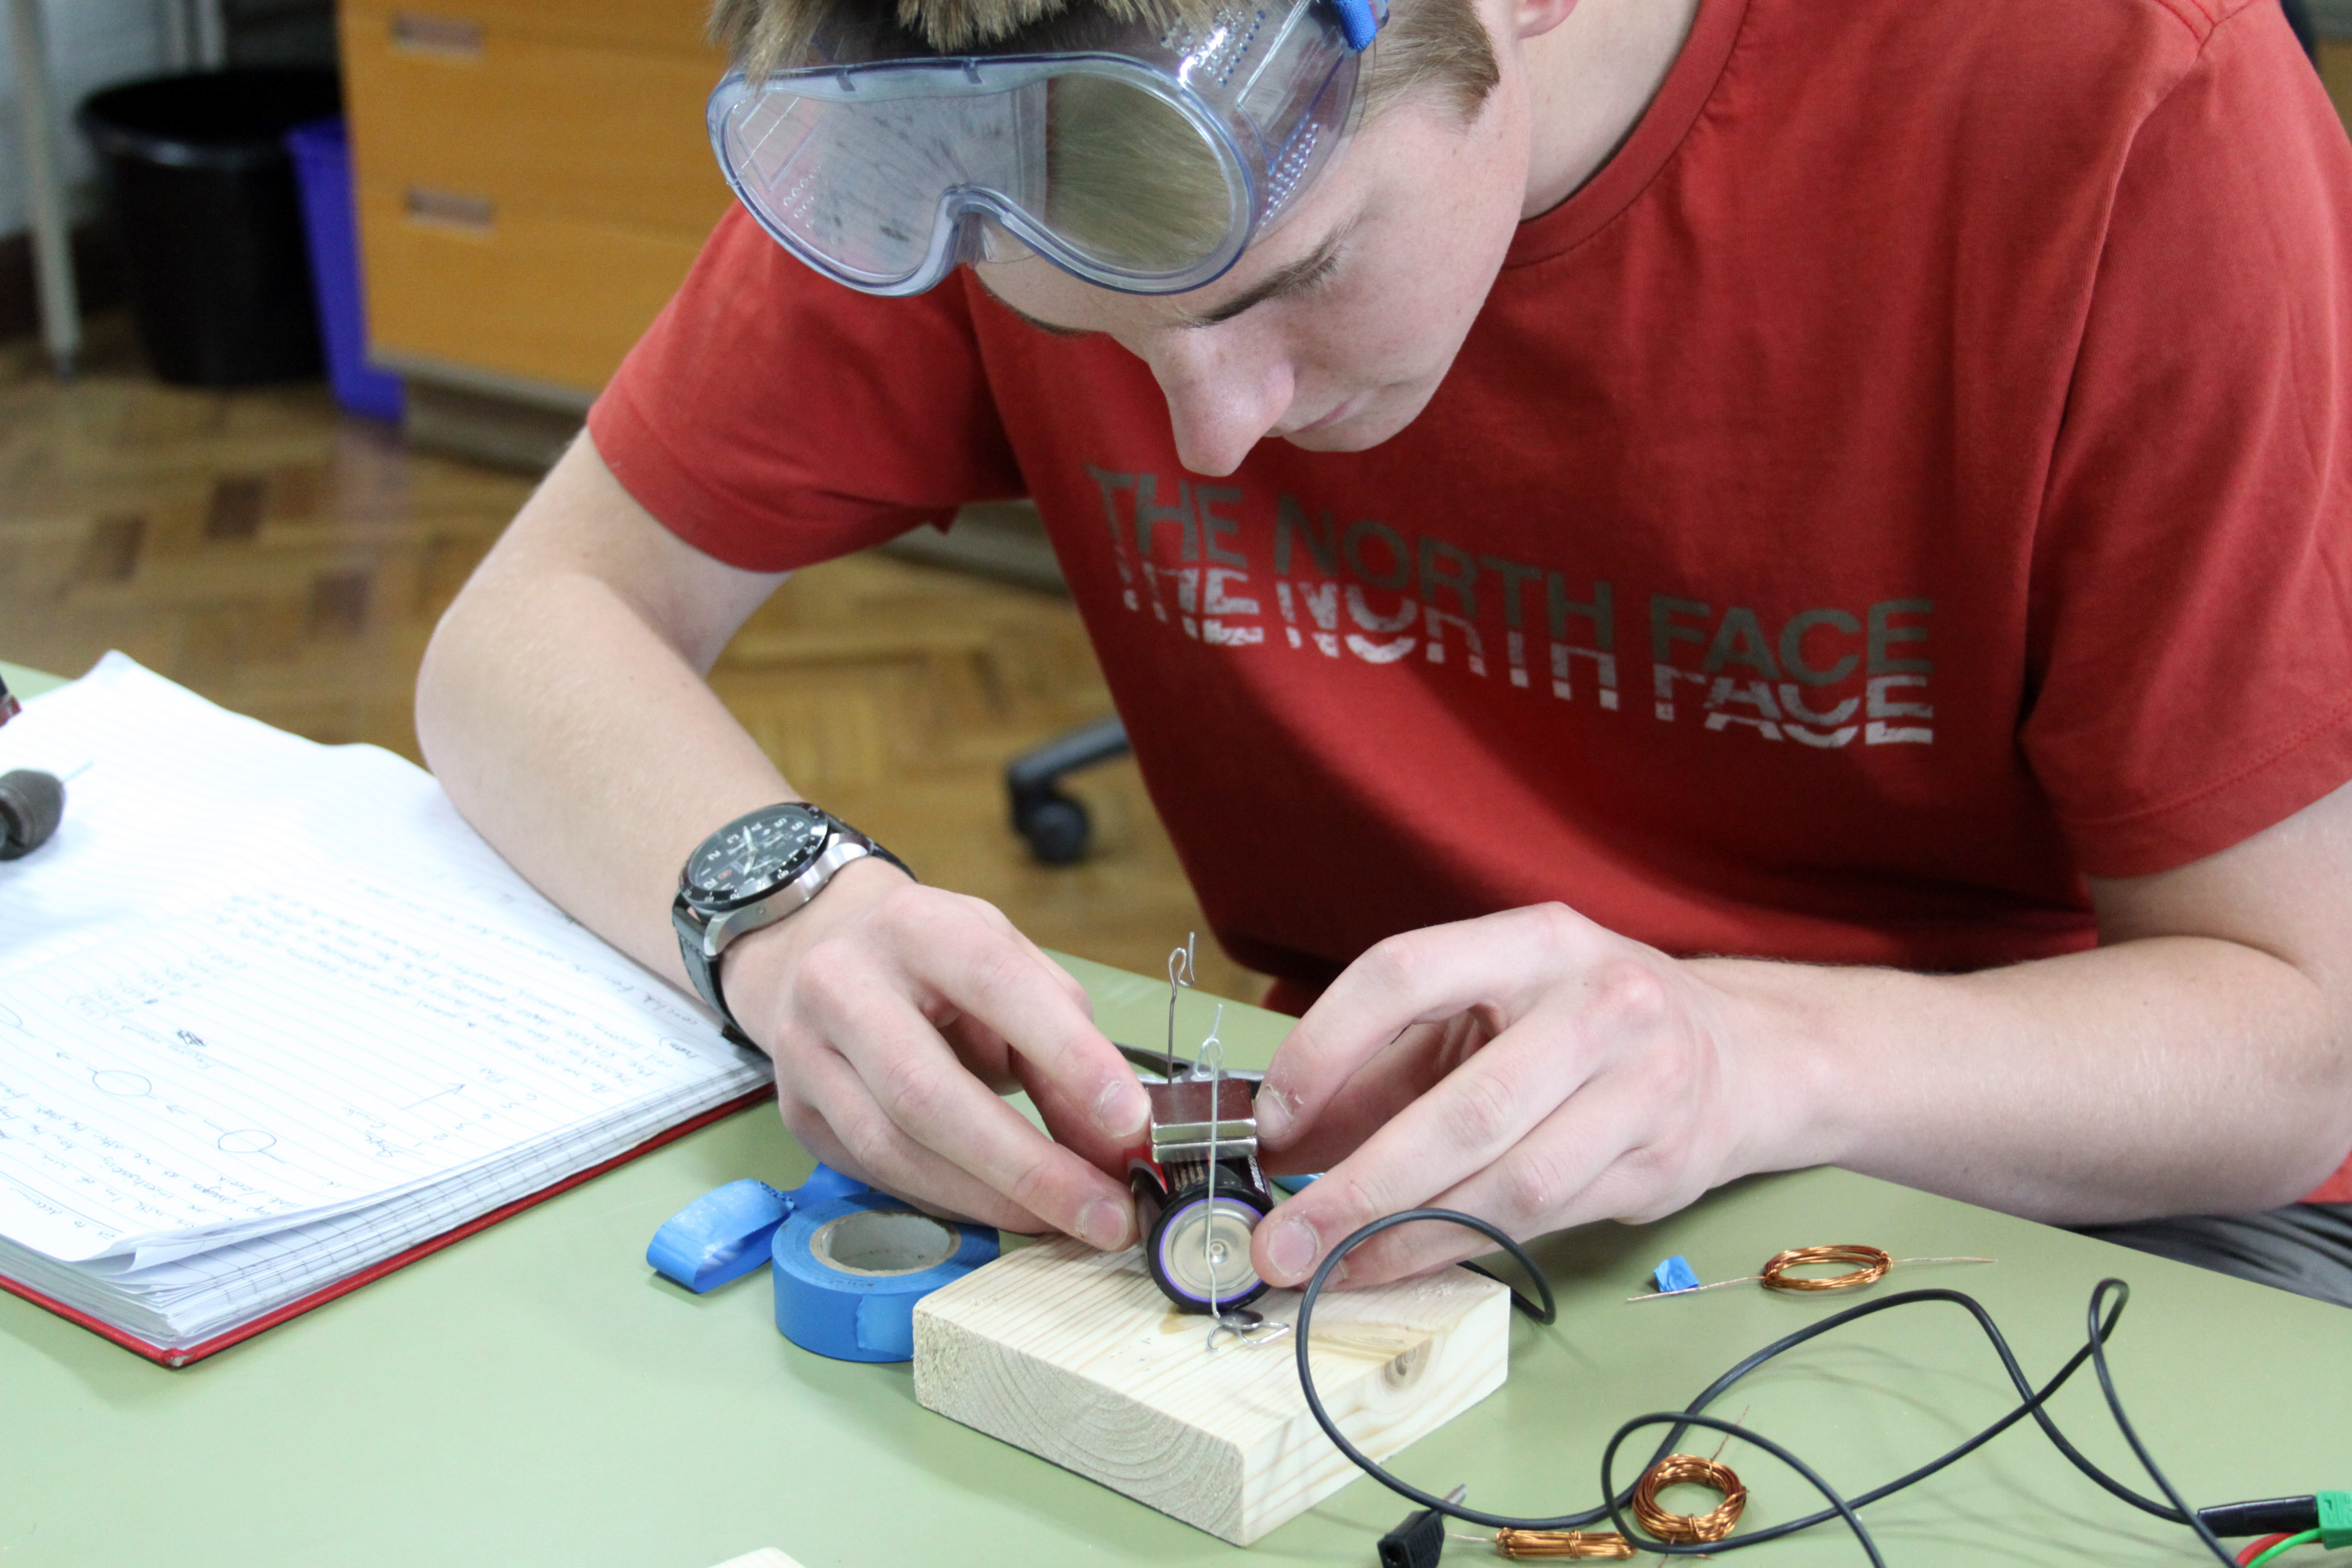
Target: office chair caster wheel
[1195,1235]
[1055,827]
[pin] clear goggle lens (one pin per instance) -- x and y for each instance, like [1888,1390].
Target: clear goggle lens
[1141,175]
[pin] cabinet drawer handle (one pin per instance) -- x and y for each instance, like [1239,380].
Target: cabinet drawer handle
[451,209]
[436,35]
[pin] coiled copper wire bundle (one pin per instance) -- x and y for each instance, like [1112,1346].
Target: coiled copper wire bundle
[1678,1469]
[1870,1266]
[1522,1544]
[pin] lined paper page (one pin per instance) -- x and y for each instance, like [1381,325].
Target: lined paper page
[164,794]
[189,1299]
[308,990]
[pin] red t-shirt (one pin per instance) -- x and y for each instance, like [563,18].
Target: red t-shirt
[1911,475]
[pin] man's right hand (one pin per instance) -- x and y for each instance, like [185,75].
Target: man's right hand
[898,1014]
[564,692]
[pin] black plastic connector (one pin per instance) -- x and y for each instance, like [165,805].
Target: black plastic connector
[2271,1516]
[1418,1542]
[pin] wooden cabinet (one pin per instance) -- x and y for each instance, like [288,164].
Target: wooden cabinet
[534,180]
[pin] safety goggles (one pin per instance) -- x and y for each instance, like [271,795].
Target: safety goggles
[1137,160]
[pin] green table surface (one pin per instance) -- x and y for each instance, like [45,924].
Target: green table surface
[27,682]
[536,1396]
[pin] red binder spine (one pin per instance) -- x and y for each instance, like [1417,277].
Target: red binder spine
[184,1355]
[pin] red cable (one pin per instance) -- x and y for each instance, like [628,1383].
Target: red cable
[2257,1547]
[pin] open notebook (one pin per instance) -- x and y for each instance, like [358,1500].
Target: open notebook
[273,1020]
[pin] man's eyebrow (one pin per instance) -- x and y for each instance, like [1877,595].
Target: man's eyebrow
[1296,279]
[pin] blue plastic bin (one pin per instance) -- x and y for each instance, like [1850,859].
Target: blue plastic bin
[322,163]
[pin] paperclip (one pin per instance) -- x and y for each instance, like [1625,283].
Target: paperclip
[1204,1062]
[1179,977]
[1242,1324]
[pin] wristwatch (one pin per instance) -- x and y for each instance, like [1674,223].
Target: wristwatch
[753,872]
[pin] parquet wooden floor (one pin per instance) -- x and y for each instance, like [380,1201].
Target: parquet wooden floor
[289,562]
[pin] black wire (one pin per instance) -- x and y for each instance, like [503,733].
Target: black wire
[2033,1402]
[2031,1406]
[1364,1461]
[1546,1314]
[2122,1423]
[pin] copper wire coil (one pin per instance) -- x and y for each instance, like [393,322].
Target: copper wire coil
[1522,1544]
[1871,1267]
[1678,1469]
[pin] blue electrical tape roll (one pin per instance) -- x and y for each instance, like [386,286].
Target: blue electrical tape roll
[849,1271]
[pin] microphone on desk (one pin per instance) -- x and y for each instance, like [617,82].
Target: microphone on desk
[30,804]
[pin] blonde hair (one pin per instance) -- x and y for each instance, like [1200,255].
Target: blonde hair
[1105,143]
[1127,175]
[1438,43]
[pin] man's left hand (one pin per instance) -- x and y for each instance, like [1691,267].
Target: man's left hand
[1531,1067]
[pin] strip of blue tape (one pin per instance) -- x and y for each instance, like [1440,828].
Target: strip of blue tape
[724,1235]
[720,1235]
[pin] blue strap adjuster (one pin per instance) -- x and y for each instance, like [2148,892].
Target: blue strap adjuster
[1360,21]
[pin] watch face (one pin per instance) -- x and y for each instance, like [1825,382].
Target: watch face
[753,856]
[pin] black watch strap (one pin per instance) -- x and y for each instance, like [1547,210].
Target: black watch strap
[703,969]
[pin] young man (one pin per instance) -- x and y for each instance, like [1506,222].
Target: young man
[1737,583]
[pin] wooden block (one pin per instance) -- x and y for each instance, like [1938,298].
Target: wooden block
[1076,1356]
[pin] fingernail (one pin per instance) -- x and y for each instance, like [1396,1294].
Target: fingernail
[1102,1225]
[1124,1109]
[1274,1114]
[1292,1251]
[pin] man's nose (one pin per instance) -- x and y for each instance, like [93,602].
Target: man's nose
[1222,399]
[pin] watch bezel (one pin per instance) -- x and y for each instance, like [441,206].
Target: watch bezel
[790,872]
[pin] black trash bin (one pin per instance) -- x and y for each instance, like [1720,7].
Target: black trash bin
[202,198]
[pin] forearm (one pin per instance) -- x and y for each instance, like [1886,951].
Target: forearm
[2159,1075]
[562,704]
[1542,1070]
[579,740]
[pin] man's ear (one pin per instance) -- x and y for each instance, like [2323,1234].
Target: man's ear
[1535,17]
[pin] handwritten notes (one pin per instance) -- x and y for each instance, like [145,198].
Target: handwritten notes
[259,989]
